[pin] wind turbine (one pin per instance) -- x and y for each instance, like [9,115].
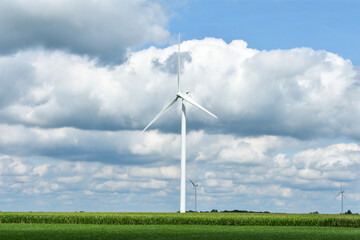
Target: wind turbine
[184,98]
[195,185]
[342,198]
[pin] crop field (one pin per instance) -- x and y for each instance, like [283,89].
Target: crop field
[231,219]
[177,226]
[32,231]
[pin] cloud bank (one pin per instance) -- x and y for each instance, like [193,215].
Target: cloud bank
[298,93]
[243,173]
[101,29]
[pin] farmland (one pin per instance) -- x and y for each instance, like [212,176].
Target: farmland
[151,232]
[177,226]
[230,219]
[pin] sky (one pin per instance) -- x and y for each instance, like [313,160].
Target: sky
[81,79]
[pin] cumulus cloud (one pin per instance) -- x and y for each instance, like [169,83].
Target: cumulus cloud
[72,181]
[278,177]
[103,29]
[160,172]
[299,93]
[215,158]
[133,147]
[68,143]
[170,65]
[70,127]
[41,170]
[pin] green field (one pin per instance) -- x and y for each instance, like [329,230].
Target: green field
[19,231]
[231,219]
[177,226]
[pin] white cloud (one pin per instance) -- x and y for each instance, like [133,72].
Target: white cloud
[310,174]
[68,143]
[76,133]
[299,93]
[111,172]
[153,184]
[74,179]
[221,184]
[155,142]
[169,172]
[41,170]
[112,186]
[12,166]
[18,168]
[87,192]
[337,157]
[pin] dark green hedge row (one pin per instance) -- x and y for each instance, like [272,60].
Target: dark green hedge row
[154,219]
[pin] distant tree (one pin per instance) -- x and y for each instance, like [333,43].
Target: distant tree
[316,212]
[214,210]
[348,212]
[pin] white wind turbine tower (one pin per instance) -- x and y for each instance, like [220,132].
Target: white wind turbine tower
[184,98]
[342,198]
[195,185]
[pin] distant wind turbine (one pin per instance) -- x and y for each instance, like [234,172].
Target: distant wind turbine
[342,198]
[195,185]
[184,98]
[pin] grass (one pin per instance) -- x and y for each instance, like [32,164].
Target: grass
[18,231]
[150,226]
[229,219]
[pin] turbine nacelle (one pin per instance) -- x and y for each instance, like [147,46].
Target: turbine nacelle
[184,97]
[191,101]
[193,183]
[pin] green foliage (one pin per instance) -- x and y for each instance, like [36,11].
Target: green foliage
[316,212]
[231,219]
[151,232]
[348,212]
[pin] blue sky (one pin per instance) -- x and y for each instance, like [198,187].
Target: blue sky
[272,24]
[80,80]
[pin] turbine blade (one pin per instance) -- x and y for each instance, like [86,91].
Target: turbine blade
[169,105]
[190,100]
[192,182]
